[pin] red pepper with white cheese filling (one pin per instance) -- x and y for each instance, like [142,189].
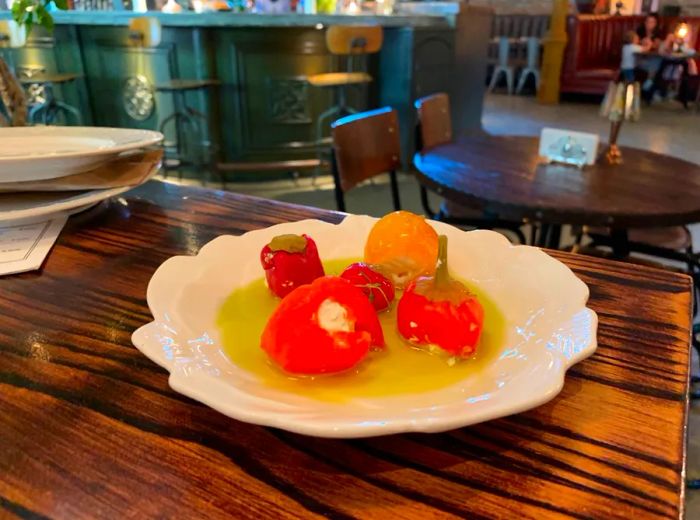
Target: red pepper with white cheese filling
[324,327]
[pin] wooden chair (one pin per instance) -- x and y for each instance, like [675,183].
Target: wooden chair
[365,145]
[435,120]
[434,129]
[12,97]
[670,243]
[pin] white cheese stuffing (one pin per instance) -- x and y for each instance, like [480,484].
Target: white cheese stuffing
[333,317]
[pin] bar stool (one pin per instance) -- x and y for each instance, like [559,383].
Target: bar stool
[146,32]
[45,107]
[532,67]
[503,66]
[365,145]
[434,129]
[349,42]
[186,118]
[38,86]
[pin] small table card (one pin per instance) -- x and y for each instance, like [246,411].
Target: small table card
[568,147]
[23,247]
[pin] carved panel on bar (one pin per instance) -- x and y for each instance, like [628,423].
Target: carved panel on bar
[288,100]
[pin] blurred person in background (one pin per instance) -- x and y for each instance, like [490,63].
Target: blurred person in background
[650,32]
[631,47]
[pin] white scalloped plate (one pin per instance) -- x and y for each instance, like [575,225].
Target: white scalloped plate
[549,328]
[32,206]
[33,153]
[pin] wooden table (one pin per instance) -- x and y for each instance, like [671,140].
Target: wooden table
[90,428]
[503,175]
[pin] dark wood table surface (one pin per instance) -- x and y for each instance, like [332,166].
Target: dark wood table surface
[503,175]
[90,428]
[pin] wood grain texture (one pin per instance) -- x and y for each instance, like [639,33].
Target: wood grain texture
[90,428]
[502,175]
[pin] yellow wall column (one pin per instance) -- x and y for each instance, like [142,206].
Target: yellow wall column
[554,46]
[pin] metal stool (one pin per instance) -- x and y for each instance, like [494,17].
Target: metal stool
[146,32]
[186,122]
[503,66]
[533,65]
[35,85]
[44,107]
[348,41]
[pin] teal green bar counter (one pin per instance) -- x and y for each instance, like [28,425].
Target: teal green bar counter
[263,110]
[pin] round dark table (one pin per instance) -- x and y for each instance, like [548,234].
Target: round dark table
[503,175]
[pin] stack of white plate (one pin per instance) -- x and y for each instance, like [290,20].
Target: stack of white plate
[34,156]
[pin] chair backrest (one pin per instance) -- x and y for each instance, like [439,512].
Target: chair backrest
[435,120]
[354,39]
[145,31]
[366,145]
[519,25]
[12,97]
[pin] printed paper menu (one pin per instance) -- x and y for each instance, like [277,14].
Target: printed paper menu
[23,247]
